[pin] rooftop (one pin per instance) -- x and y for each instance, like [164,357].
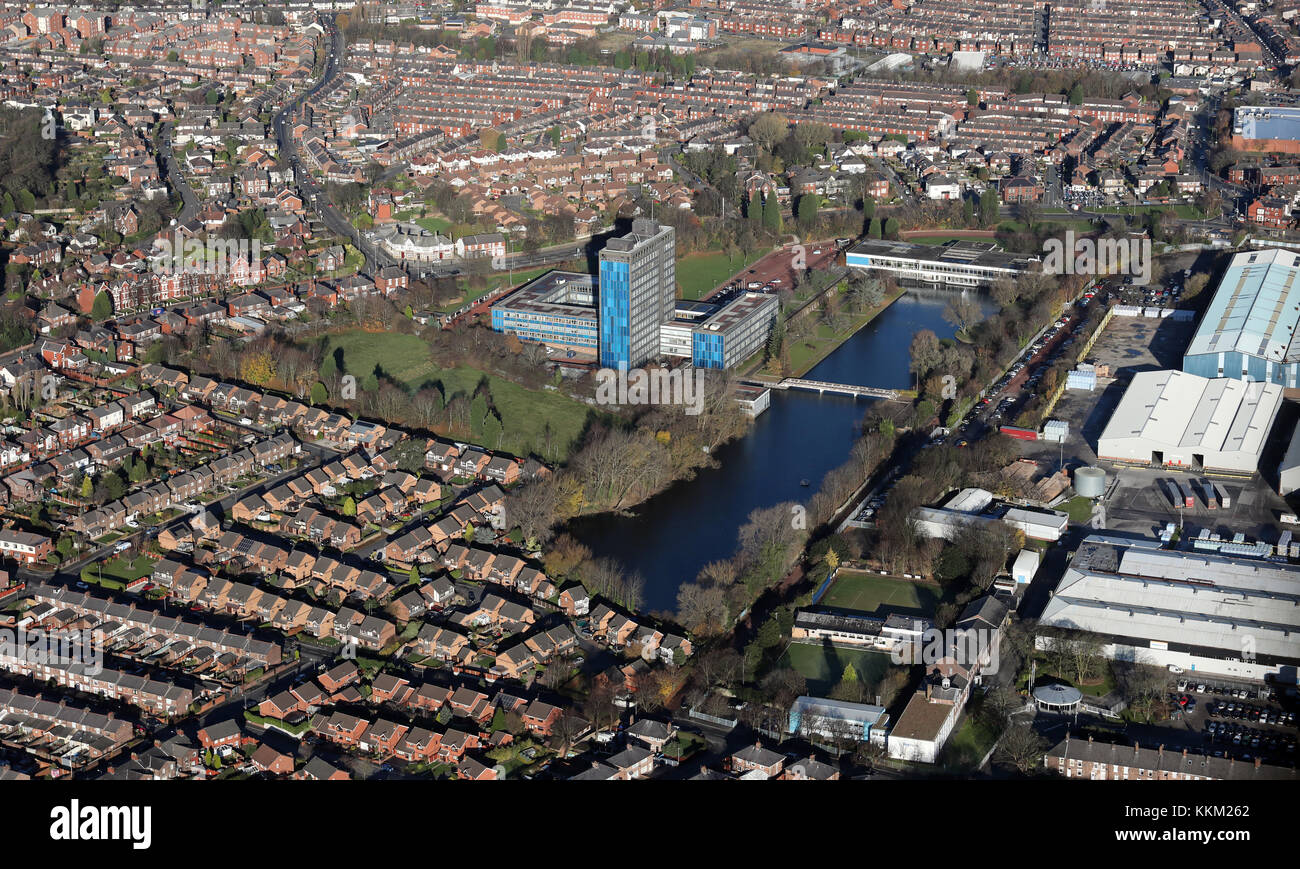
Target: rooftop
[1255,309]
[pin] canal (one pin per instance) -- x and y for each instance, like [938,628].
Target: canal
[802,436]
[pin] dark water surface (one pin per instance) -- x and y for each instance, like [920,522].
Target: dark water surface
[802,436]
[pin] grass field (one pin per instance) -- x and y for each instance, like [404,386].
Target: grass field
[701,272]
[433,224]
[1080,509]
[525,413]
[822,665]
[971,741]
[117,571]
[864,592]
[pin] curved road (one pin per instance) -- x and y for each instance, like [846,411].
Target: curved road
[314,194]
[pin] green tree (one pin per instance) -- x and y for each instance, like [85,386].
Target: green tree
[349,506]
[87,488]
[808,204]
[772,214]
[972,97]
[102,307]
[891,228]
[1076,94]
[988,206]
[755,210]
[873,229]
[319,394]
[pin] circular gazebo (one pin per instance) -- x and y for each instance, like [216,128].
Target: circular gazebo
[1061,699]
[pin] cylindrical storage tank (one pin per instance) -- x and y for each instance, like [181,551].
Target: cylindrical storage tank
[1090,482]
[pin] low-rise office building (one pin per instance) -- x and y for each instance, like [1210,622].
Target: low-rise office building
[957,263]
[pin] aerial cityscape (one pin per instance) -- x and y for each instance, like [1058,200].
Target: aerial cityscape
[635,389]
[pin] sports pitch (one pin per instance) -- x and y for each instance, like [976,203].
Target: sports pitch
[870,593]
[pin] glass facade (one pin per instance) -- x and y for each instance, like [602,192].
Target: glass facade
[708,351]
[615,315]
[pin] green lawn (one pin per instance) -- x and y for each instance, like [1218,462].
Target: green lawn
[868,593]
[1079,508]
[117,571]
[822,665]
[969,743]
[525,414]
[1184,210]
[433,224]
[701,272]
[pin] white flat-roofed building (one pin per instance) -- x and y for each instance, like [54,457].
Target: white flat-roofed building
[838,719]
[1176,419]
[957,263]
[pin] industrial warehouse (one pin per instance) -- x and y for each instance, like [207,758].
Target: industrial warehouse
[1175,419]
[1234,617]
[1248,331]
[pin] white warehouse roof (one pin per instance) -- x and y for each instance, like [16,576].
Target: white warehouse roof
[1185,598]
[1223,420]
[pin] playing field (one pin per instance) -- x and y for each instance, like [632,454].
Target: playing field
[868,593]
[823,665]
[525,414]
[699,273]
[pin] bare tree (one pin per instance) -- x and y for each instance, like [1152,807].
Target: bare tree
[1021,746]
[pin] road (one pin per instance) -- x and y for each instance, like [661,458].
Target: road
[314,195]
[172,172]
